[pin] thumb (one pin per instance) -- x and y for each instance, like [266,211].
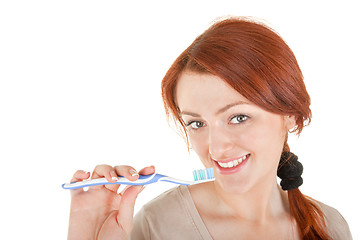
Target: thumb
[126,209]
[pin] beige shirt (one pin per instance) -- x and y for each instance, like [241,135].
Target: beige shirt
[173,216]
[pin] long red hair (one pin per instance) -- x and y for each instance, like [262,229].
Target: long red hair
[256,62]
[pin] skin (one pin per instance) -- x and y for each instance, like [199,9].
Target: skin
[101,212]
[222,125]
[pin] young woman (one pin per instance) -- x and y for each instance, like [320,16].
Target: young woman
[235,93]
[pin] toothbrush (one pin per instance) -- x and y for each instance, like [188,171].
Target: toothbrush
[200,176]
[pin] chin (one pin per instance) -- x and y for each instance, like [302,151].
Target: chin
[234,185]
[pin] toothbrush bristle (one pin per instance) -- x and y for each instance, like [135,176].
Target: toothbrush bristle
[203,174]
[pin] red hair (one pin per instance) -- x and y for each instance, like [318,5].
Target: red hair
[256,62]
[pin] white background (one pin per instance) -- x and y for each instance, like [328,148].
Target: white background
[80,86]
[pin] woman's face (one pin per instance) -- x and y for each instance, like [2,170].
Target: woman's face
[240,140]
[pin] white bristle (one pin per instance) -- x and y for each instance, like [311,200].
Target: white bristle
[203,174]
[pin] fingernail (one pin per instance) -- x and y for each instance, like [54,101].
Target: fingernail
[114,178]
[133,173]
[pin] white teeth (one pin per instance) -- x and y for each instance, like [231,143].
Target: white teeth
[232,163]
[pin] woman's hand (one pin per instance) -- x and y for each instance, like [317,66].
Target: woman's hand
[100,212]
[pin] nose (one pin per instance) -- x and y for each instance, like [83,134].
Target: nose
[220,143]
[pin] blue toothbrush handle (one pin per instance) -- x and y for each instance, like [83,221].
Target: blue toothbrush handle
[142,180]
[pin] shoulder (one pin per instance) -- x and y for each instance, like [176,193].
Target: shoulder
[168,201]
[335,222]
[168,214]
[149,221]
[172,199]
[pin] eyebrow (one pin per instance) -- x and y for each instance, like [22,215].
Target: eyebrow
[221,110]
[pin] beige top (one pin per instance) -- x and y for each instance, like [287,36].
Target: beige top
[173,215]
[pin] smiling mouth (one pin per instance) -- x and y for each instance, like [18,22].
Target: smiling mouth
[233,163]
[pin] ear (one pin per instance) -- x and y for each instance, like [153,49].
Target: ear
[290,122]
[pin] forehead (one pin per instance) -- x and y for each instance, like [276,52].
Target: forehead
[198,88]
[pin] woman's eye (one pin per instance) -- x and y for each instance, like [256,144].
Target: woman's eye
[195,124]
[238,119]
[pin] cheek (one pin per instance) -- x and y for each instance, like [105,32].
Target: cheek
[265,137]
[198,144]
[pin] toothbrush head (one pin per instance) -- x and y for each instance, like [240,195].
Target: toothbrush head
[204,174]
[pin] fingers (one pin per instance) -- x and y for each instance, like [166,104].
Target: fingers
[127,172]
[126,208]
[127,203]
[147,170]
[144,171]
[107,172]
[111,175]
[78,176]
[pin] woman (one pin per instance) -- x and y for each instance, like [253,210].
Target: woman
[235,93]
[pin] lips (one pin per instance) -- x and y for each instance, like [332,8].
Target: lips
[232,165]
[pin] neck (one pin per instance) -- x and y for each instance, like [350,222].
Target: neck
[257,205]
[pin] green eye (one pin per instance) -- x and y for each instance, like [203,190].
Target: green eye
[195,124]
[238,119]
